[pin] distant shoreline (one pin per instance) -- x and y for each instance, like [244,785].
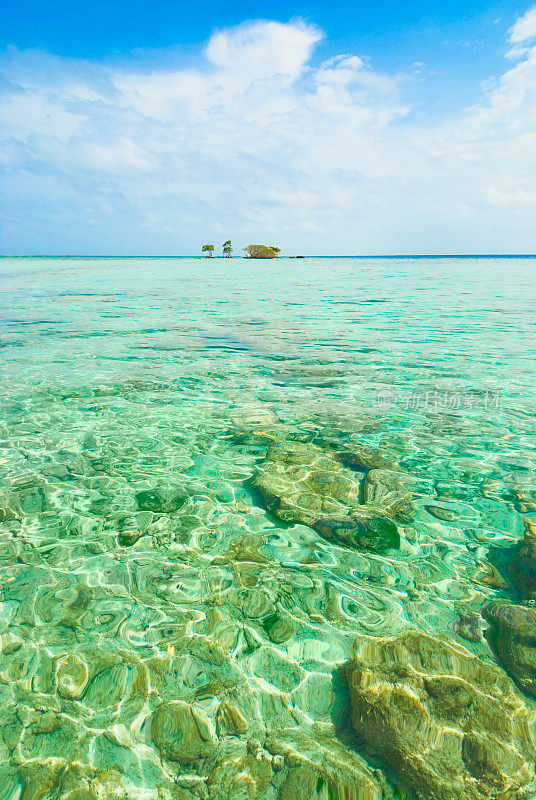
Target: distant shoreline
[280,258]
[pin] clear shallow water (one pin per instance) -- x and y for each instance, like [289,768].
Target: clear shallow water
[137,564]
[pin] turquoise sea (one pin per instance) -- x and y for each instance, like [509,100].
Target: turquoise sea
[171,623]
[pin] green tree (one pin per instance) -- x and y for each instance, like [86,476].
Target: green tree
[208,249]
[262,251]
[227,249]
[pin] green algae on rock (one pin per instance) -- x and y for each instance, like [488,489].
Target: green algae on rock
[449,724]
[181,732]
[525,500]
[57,777]
[240,777]
[522,562]
[301,483]
[468,624]
[388,490]
[229,720]
[161,501]
[363,459]
[512,636]
[319,767]
[361,531]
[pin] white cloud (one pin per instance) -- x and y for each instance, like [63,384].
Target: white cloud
[258,142]
[524,28]
[263,49]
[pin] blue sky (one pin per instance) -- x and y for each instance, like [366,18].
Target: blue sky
[148,127]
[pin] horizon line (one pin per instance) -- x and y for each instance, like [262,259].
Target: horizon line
[248,258]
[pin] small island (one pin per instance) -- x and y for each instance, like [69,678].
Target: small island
[252,250]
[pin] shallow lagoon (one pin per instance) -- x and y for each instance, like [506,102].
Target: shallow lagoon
[140,565]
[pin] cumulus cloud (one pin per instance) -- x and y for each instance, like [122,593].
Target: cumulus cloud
[522,34]
[257,141]
[525,27]
[263,49]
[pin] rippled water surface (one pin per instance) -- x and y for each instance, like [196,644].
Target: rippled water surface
[140,563]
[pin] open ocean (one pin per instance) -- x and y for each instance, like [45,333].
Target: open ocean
[178,599]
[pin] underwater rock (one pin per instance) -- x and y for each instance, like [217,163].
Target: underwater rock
[129,537]
[450,491]
[42,777]
[47,723]
[239,777]
[72,677]
[10,643]
[274,668]
[468,624]
[441,513]
[256,603]
[6,514]
[489,575]
[300,483]
[160,501]
[293,495]
[259,436]
[25,497]
[245,555]
[112,686]
[131,527]
[120,736]
[31,499]
[59,778]
[386,489]
[309,782]
[512,635]
[525,500]
[181,732]
[451,725]
[229,720]
[254,416]
[300,454]
[316,766]
[522,562]
[363,459]
[279,627]
[365,533]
